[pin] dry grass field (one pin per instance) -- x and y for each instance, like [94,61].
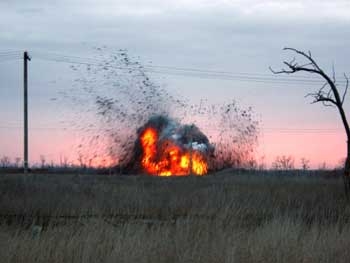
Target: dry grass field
[224,217]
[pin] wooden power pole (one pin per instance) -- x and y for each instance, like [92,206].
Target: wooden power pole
[25,110]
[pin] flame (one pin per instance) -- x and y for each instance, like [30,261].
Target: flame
[165,158]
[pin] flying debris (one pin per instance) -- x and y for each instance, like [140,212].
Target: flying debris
[116,96]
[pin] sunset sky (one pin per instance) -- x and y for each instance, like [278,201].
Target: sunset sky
[241,38]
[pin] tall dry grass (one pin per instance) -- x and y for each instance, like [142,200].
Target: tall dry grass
[224,217]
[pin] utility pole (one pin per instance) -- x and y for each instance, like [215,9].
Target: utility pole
[25,110]
[191,150]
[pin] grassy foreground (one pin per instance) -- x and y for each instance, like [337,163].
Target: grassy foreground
[224,217]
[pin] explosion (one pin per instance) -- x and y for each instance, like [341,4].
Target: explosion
[119,96]
[166,148]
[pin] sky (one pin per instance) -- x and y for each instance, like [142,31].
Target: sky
[240,37]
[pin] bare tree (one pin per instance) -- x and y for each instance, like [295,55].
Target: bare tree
[329,95]
[283,163]
[81,161]
[5,162]
[305,164]
[340,164]
[43,161]
[63,161]
[322,166]
[262,163]
[17,161]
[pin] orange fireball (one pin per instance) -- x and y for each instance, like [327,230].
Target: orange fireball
[166,158]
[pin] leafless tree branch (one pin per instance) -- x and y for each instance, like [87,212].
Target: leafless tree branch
[346,88]
[320,97]
[333,71]
[324,85]
[326,98]
[307,64]
[307,56]
[330,97]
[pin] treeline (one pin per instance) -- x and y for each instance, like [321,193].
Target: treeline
[284,164]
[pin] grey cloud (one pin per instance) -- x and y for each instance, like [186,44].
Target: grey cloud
[31,10]
[188,28]
[236,36]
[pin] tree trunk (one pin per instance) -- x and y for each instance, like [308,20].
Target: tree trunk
[332,97]
[347,159]
[347,170]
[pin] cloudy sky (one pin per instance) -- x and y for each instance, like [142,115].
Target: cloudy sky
[240,37]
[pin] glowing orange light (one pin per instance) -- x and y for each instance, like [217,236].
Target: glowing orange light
[166,158]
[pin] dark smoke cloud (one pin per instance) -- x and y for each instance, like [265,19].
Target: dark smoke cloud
[115,97]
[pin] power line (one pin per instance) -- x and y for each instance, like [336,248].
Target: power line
[238,78]
[198,75]
[11,50]
[10,53]
[9,56]
[41,53]
[8,59]
[55,56]
[16,124]
[188,72]
[269,130]
[225,72]
[181,71]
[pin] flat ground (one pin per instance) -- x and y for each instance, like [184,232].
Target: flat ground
[224,217]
